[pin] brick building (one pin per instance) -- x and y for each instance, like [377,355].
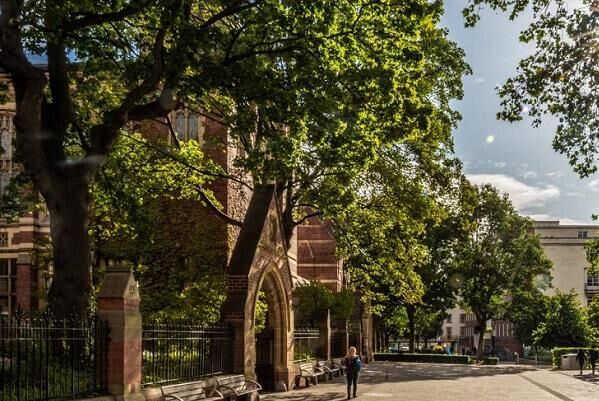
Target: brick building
[316,258]
[21,281]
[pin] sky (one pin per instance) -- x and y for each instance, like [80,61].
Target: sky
[514,157]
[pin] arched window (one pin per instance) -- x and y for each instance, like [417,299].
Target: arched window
[187,125]
[193,126]
[180,125]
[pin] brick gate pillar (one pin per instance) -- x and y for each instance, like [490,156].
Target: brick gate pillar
[118,305]
[25,284]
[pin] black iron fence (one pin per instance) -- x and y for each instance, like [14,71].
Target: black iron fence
[48,359]
[183,351]
[306,344]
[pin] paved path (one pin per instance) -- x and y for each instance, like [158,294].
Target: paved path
[436,382]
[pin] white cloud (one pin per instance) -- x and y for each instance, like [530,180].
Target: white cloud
[575,194]
[530,174]
[478,80]
[594,185]
[500,164]
[555,174]
[523,196]
[562,220]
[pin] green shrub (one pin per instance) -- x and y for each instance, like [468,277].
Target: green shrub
[424,358]
[556,354]
[490,361]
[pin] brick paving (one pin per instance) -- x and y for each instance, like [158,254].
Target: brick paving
[431,382]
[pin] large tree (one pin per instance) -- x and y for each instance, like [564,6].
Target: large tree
[499,257]
[561,77]
[564,323]
[318,85]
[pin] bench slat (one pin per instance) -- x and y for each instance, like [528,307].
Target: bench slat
[188,393]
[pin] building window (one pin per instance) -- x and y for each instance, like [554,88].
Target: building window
[187,125]
[8,286]
[462,331]
[448,320]
[448,332]
[3,239]
[582,234]
[592,280]
[462,318]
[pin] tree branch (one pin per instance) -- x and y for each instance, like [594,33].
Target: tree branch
[219,213]
[87,19]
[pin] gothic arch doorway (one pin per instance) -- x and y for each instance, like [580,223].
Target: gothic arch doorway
[271,330]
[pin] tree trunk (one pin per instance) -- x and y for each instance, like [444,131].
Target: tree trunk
[482,325]
[411,325]
[69,219]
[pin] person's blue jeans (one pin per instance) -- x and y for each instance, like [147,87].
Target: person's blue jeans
[352,378]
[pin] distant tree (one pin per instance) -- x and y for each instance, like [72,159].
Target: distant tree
[314,299]
[561,78]
[428,324]
[592,314]
[564,323]
[526,311]
[394,322]
[499,257]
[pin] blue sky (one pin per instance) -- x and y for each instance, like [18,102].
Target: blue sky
[515,157]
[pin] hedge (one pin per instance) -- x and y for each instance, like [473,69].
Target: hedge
[556,354]
[426,358]
[490,361]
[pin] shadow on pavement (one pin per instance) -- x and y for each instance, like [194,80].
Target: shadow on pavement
[587,377]
[298,395]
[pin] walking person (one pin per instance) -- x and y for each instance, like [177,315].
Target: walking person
[593,356]
[581,358]
[353,364]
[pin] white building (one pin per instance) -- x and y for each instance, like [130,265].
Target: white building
[564,245]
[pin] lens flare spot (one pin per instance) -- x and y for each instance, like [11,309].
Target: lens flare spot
[490,139]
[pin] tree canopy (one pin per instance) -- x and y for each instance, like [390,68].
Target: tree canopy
[310,90]
[564,324]
[500,256]
[561,78]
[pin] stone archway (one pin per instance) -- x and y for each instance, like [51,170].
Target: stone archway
[273,348]
[260,261]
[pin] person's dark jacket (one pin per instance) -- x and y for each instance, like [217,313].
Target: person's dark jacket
[593,356]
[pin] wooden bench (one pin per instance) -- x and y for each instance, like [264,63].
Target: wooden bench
[233,387]
[191,391]
[308,372]
[329,368]
[339,363]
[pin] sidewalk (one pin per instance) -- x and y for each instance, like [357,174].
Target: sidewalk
[431,382]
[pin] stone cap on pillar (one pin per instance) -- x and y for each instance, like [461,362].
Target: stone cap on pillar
[119,283]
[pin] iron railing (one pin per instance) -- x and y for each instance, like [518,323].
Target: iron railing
[306,344]
[45,359]
[184,351]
